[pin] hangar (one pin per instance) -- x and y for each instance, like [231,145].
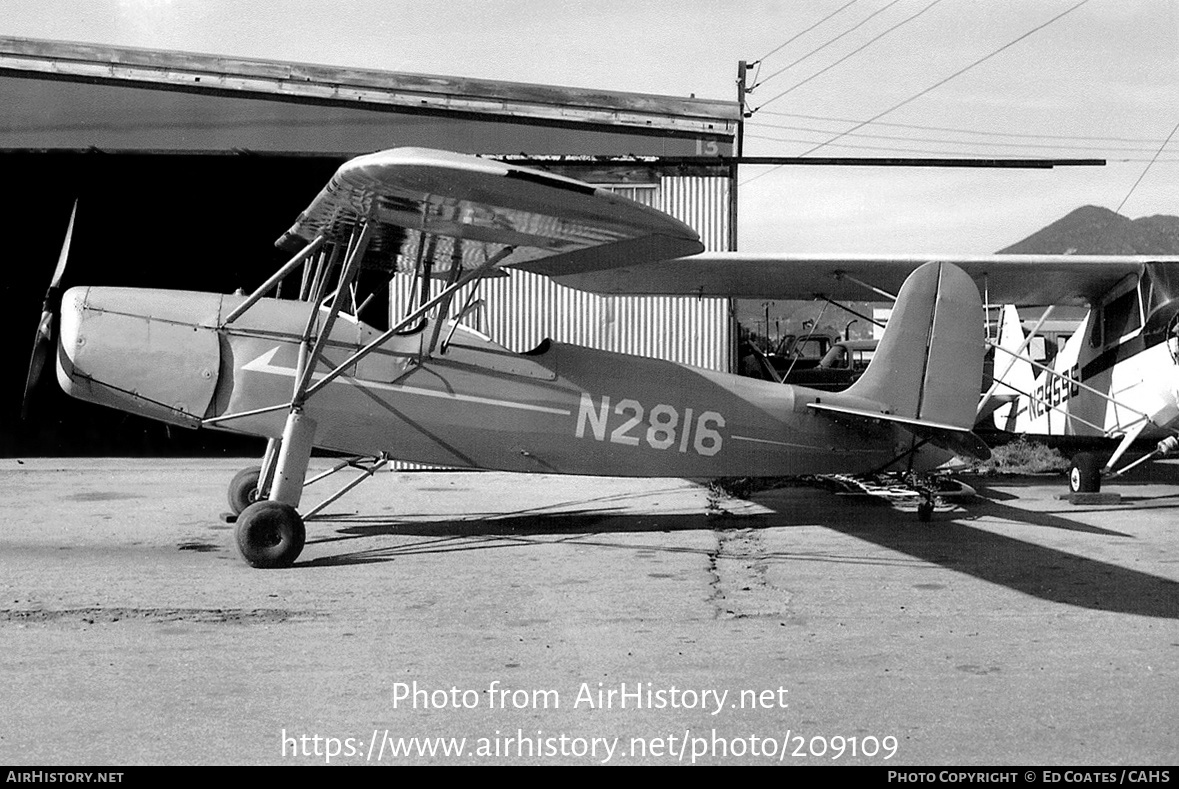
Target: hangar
[187,167]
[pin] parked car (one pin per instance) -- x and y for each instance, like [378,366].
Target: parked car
[839,368]
[800,351]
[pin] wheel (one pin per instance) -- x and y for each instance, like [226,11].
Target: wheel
[270,534]
[243,490]
[925,511]
[1084,474]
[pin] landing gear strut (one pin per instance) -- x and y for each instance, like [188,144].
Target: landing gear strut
[270,532]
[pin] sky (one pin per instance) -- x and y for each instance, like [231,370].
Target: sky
[934,77]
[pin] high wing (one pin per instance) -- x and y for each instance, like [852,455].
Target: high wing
[447,207]
[1023,280]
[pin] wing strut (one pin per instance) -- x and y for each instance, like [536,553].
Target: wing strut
[841,275]
[456,270]
[445,295]
[1053,374]
[1018,354]
[279,275]
[308,360]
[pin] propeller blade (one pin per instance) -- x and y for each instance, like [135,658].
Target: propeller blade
[43,343]
[65,251]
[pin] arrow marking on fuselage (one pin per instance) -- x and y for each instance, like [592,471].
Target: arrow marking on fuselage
[265,364]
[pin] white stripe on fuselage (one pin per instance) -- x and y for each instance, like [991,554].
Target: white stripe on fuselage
[840,450]
[265,364]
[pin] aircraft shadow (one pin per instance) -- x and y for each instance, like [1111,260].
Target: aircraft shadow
[950,541]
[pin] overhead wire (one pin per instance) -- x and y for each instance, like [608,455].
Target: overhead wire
[930,151]
[1118,211]
[828,43]
[934,86]
[972,143]
[1146,169]
[851,54]
[958,130]
[796,36]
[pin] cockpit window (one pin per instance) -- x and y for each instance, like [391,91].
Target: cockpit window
[1117,318]
[1121,316]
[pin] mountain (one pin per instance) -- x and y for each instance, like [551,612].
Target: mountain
[1091,230]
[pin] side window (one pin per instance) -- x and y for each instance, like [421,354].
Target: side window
[1037,350]
[1120,317]
[1117,318]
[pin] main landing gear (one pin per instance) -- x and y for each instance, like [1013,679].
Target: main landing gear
[1084,473]
[270,534]
[1086,469]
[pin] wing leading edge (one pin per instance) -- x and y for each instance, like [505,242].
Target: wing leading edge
[1023,280]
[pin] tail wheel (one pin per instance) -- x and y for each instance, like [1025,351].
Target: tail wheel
[243,490]
[1084,474]
[925,511]
[270,534]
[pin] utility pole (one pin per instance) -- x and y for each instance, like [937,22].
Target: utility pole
[742,67]
[742,91]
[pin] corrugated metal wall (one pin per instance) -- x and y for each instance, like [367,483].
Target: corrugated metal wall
[522,309]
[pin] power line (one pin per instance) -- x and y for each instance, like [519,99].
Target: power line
[939,83]
[851,54]
[1146,169]
[823,46]
[958,130]
[804,32]
[977,143]
[957,73]
[907,149]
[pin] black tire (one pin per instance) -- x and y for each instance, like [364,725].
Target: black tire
[1084,473]
[243,490]
[270,534]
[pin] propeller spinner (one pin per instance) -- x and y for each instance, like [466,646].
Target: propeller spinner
[43,343]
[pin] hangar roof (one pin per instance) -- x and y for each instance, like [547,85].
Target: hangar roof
[617,112]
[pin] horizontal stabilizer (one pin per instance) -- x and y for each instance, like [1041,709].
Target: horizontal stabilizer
[959,440]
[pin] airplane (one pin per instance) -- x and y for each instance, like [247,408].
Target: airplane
[1115,382]
[311,373]
[1115,377]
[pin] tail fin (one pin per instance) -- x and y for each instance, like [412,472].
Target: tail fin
[928,365]
[927,370]
[1012,375]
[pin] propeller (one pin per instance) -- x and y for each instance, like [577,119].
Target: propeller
[43,344]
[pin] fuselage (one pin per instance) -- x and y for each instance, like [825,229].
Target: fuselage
[1098,389]
[559,409]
